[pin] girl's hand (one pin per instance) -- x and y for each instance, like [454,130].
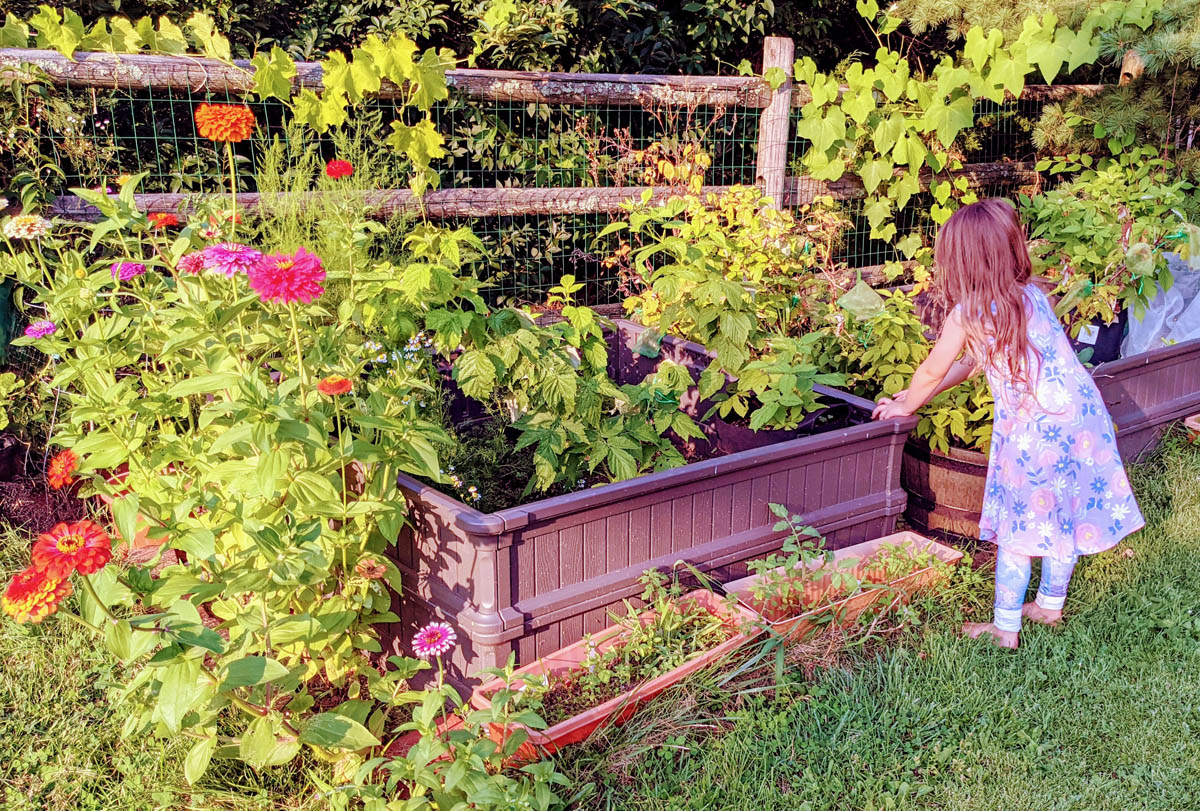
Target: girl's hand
[890,408]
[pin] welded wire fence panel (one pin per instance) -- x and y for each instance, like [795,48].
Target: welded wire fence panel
[503,144]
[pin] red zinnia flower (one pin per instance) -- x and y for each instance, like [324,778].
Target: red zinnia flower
[334,385]
[81,546]
[162,219]
[224,122]
[34,595]
[338,169]
[286,278]
[61,467]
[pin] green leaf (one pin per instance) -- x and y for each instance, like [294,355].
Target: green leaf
[875,172]
[332,731]
[860,105]
[180,692]
[62,34]
[421,142]
[125,515]
[198,757]
[252,670]
[475,374]
[273,74]
[951,119]
[126,645]
[877,211]
[258,743]
[204,34]
[204,384]
[867,8]
[14,33]
[169,39]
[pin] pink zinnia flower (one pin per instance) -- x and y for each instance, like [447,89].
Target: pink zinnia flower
[435,639]
[40,329]
[124,271]
[285,278]
[191,262]
[230,258]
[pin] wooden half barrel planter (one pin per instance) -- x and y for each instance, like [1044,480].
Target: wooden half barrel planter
[1144,393]
[821,605]
[533,579]
[743,626]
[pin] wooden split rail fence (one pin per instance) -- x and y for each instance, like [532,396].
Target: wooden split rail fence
[133,72]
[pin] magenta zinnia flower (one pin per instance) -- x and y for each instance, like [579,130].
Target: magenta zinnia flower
[125,271]
[285,278]
[435,639]
[191,262]
[40,329]
[230,258]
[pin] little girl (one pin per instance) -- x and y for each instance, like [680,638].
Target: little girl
[1056,488]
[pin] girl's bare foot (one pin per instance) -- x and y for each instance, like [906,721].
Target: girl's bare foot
[1046,616]
[1003,639]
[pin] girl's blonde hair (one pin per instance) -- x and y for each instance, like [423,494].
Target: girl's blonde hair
[982,267]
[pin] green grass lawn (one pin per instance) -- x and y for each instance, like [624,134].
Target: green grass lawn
[1101,714]
[60,734]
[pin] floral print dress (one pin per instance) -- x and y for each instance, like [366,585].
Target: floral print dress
[1056,486]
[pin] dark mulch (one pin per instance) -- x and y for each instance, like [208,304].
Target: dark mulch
[30,506]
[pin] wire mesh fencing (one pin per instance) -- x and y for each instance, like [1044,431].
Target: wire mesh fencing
[498,143]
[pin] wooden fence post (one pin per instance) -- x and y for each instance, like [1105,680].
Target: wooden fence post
[774,124]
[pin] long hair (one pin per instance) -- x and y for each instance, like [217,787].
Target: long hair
[982,266]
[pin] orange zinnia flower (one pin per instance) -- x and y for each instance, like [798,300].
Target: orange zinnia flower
[80,546]
[335,385]
[61,467]
[224,122]
[34,595]
[162,219]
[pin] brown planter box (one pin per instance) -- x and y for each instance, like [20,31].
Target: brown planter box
[533,579]
[1146,393]
[617,710]
[794,627]
[945,490]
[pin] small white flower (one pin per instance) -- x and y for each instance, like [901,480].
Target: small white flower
[27,226]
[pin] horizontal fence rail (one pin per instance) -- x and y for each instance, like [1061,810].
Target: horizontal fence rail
[485,203]
[201,74]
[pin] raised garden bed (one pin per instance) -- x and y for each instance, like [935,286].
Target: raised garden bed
[819,599]
[532,579]
[1146,393]
[563,666]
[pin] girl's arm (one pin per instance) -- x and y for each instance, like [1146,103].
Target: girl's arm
[939,371]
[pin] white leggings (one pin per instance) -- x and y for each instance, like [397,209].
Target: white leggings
[1013,571]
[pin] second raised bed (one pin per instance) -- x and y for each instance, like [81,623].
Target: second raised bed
[532,579]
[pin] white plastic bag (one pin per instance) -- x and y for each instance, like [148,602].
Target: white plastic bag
[1172,316]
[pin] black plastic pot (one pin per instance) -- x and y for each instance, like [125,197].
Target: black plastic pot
[1108,340]
[733,438]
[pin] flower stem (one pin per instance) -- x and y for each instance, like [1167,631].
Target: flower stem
[232,192]
[299,352]
[91,590]
[81,621]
